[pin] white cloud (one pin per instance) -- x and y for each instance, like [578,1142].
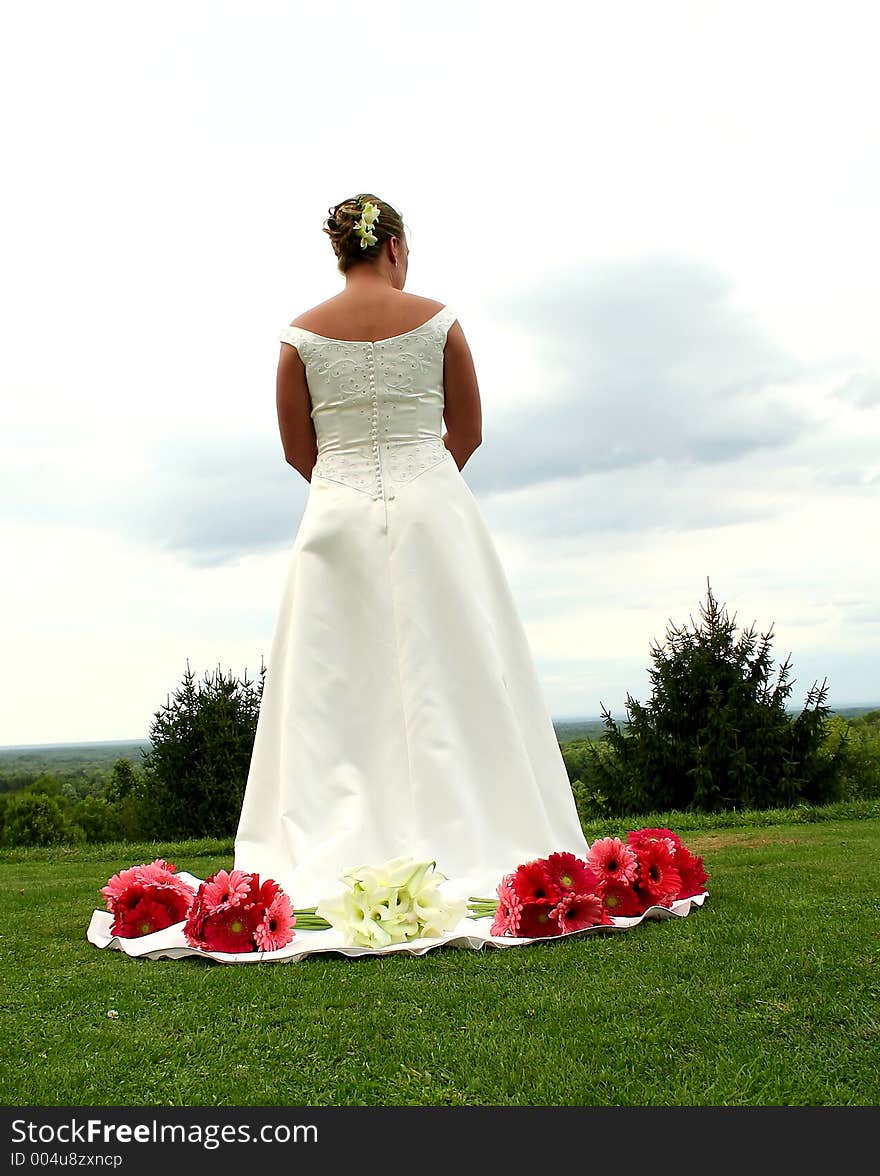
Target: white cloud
[657,224]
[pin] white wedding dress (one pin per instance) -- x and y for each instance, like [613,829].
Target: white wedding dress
[401,713]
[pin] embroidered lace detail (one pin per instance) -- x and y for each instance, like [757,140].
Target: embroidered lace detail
[401,462]
[330,362]
[404,462]
[353,468]
[377,406]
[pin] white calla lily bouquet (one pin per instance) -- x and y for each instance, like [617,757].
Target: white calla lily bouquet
[392,903]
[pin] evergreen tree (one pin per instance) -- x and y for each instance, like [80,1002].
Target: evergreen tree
[201,743]
[716,734]
[123,780]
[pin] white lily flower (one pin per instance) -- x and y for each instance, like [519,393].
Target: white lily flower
[397,906]
[400,872]
[349,913]
[407,872]
[392,902]
[437,914]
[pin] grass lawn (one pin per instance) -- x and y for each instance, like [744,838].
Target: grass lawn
[769,994]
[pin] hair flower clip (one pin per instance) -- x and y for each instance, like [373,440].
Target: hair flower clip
[363,227]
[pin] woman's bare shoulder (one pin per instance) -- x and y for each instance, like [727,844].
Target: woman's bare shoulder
[304,319]
[428,304]
[338,311]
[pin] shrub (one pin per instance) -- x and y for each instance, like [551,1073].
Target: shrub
[98,819]
[46,784]
[587,783]
[715,734]
[33,818]
[858,743]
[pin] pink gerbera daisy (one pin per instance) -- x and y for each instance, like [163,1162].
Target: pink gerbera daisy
[127,899]
[573,912]
[506,921]
[128,887]
[195,920]
[276,927]
[158,871]
[611,860]
[226,889]
[571,874]
[118,884]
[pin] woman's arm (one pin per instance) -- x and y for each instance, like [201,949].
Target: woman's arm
[462,410]
[298,437]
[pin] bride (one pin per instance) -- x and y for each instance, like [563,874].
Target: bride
[402,728]
[403,740]
[401,714]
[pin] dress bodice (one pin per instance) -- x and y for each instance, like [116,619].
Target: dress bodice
[377,406]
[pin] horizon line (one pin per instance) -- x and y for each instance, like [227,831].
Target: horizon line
[554,718]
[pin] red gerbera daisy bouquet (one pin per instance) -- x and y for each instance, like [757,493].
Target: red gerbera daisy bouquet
[560,893]
[667,870]
[234,912]
[547,896]
[146,898]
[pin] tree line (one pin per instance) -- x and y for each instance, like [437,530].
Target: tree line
[715,735]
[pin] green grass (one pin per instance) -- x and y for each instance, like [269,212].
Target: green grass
[769,994]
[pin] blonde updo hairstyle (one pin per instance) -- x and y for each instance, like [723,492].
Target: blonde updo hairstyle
[340,225]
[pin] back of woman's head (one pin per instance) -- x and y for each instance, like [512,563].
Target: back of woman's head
[341,225]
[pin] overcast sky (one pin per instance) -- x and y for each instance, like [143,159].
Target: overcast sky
[658,223]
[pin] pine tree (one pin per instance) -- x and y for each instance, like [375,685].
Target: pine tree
[716,734]
[201,744]
[123,781]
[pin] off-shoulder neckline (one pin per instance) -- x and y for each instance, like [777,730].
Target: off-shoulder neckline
[387,339]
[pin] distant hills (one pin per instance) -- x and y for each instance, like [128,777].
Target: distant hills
[586,728]
[67,755]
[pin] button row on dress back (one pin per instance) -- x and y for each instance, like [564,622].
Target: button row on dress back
[374,431]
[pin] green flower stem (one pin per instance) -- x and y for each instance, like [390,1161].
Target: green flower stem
[307,919]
